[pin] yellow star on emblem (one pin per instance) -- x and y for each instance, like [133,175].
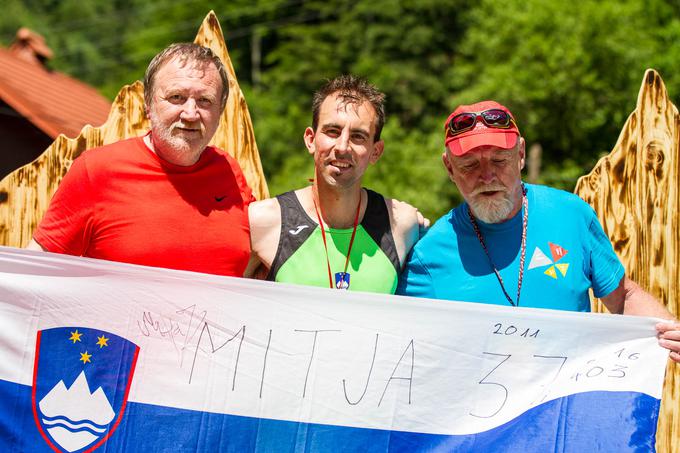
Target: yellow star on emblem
[75,336]
[85,357]
[102,341]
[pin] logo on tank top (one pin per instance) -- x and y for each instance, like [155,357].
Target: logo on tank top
[555,266]
[298,230]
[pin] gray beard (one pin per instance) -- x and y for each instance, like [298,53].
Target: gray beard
[177,146]
[492,211]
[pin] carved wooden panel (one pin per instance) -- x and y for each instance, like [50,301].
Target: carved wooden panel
[26,193]
[634,190]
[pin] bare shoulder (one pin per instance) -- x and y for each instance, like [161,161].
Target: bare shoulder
[265,224]
[264,212]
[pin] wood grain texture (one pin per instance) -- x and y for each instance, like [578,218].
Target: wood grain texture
[634,190]
[26,193]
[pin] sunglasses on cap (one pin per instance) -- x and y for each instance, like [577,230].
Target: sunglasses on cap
[496,118]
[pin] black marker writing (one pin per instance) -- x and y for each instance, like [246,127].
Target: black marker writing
[409,379]
[213,349]
[512,330]
[311,356]
[562,359]
[483,381]
[344,387]
[190,311]
[264,362]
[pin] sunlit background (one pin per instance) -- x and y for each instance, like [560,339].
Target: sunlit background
[569,71]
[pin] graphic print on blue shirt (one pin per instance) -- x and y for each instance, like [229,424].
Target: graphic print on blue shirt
[567,253]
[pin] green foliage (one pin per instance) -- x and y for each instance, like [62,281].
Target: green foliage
[404,47]
[570,71]
[411,170]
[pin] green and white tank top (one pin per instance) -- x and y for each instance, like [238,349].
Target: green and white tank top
[301,258]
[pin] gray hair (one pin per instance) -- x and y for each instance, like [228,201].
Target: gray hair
[186,52]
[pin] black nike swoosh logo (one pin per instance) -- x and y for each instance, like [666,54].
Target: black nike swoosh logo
[220,198]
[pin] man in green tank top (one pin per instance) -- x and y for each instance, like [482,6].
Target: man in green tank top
[335,233]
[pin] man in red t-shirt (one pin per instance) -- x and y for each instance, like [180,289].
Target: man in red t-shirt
[165,199]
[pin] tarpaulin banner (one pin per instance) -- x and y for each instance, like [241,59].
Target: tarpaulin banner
[101,356]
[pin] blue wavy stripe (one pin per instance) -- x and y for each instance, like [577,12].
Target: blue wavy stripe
[587,422]
[74,427]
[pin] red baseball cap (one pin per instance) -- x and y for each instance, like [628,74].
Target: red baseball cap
[480,134]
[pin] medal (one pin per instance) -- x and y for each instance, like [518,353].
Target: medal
[342,280]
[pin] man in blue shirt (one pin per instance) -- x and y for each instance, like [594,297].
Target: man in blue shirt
[518,244]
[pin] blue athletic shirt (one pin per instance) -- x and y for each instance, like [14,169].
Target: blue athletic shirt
[567,253]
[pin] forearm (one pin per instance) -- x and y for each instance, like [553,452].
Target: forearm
[640,303]
[630,299]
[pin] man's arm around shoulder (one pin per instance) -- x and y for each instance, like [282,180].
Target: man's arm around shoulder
[407,223]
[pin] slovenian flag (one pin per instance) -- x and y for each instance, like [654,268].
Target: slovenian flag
[110,357]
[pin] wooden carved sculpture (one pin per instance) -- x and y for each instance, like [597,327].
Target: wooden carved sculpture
[635,191]
[26,193]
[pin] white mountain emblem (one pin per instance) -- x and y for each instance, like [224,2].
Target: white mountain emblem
[76,417]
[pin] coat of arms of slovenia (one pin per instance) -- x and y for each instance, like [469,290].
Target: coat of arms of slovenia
[81,381]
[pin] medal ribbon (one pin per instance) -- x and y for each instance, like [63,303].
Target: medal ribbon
[325,246]
[525,218]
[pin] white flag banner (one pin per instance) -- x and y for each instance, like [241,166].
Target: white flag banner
[114,357]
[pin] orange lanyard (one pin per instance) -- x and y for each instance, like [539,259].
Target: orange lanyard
[325,246]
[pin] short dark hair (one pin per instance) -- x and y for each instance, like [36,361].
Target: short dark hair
[186,52]
[352,90]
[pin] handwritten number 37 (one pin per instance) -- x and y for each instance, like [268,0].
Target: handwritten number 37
[485,380]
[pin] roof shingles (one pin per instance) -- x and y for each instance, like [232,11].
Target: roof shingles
[54,102]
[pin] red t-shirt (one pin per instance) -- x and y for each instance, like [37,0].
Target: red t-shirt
[121,202]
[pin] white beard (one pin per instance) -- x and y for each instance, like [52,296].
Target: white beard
[492,210]
[177,146]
